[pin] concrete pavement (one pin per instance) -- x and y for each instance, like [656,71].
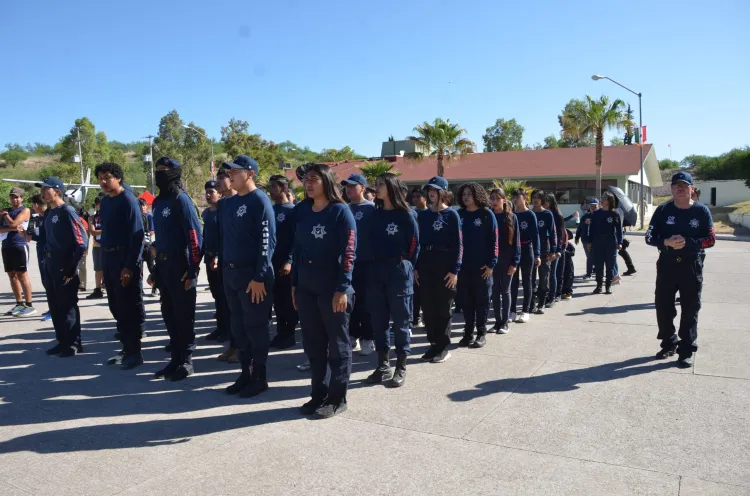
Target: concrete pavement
[571,403]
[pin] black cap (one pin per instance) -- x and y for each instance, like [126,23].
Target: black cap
[210,185]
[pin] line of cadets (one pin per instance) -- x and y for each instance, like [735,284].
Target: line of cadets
[348,273]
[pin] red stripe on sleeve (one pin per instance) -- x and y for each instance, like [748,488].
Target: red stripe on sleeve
[349,251]
[195,251]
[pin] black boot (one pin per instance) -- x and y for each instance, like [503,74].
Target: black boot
[167,371]
[400,376]
[480,341]
[467,339]
[383,372]
[257,384]
[608,288]
[241,381]
[598,289]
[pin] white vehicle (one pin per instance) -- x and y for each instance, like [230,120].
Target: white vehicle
[74,193]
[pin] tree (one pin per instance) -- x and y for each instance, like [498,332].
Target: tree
[571,141]
[503,136]
[443,140]
[14,154]
[551,141]
[333,155]
[511,185]
[190,147]
[616,141]
[589,119]
[628,139]
[90,149]
[237,141]
[668,164]
[373,169]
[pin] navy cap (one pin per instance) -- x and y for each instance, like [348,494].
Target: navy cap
[682,177]
[355,179]
[593,201]
[52,182]
[438,182]
[169,162]
[210,185]
[242,162]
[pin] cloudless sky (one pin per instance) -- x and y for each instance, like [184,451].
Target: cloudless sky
[331,73]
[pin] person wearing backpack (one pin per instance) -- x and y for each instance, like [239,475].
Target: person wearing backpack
[479,232]
[179,238]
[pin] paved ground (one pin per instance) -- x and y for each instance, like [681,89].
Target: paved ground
[571,403]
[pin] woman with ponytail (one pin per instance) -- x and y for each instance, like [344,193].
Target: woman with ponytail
[558,264]
[530,257]
[508,258]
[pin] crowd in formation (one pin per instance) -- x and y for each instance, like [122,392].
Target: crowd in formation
[358,275]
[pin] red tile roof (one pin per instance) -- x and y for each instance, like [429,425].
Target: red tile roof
[554,162]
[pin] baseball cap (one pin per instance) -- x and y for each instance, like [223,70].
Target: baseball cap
[593,201]
[51,182]
[682,177]
[210,185]
[17,192]
[242,162]
[437,182]
[355,179]
[170,162]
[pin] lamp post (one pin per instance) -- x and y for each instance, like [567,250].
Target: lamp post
[213,174]
[151,159]
[597,77]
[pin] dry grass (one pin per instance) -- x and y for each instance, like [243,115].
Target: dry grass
[741,208]
[39,162]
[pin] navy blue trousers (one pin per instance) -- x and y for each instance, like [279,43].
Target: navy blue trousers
[560,274]
[501,294]
[248,320]
[474,297]
[62,300]
[126,304]
[325,338]
[177,305]
[525,271]
[216,285]
[605,256]
[552,288]
[390,291]
[360,325]
[286,315]
[683,274]
[569,274]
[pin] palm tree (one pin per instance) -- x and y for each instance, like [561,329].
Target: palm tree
[589,118]
[372,170]
[442,140]
[510,185]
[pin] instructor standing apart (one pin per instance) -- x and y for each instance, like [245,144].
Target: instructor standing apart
[681,229]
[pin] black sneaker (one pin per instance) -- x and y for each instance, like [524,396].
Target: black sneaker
[131,361]
[68,351]
[608,291]
[117,359]
[441,357]
[629,272]
[96,294]
[55,350]
[597,290]
[283,342]
[479,342]
[466,341]
[328,410]
[430,354]
[254,388]
[214,336]
[667,352]
[183,371]
[168,348]
[167,371]
[311,406]
[240,384]
[685,362]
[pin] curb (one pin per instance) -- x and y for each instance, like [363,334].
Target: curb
[722,237]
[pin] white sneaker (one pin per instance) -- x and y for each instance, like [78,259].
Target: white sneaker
[504,330]
[512,317]
[368,347]
[525,317]
[355,344]
[616,280]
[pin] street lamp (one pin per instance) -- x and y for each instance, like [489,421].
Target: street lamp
[597,77]
[213,175]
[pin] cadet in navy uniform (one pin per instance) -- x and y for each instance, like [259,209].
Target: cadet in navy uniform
[178,256]
[606,240]
[211,258]
[441,252]
[248,239]
[420,205]
[548,242]
[360,326]
[681,229]
[393,227]
[324,251]
[530,257]
[558,265]
[479,232]
[66,243]
[36,233]
[286,315]
[583,232]
[509,257]
[121,242]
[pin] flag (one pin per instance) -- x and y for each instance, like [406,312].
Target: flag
[644,134]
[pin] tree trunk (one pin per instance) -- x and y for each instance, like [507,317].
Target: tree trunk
[599,145]
[440,169]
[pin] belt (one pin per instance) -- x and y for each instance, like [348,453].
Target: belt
[678,258]
[436,248]
[110,249]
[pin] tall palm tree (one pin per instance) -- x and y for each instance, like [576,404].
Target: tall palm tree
[589,118]
[372,170]
[510,185]
[442,140]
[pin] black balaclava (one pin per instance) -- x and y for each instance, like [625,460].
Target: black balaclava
[168,181]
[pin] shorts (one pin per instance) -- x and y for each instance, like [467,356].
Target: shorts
[96,254]
[15,258]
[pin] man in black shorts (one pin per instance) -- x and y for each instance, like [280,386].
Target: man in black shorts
[15,251]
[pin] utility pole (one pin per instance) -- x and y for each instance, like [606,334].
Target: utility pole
[151,159]
[80,154]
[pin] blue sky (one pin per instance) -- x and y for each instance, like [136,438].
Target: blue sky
[348,72]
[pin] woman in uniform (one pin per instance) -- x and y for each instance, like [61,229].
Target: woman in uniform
[508,258]
[606,240]
[530,255]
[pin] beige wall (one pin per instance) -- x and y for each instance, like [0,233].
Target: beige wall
[727,192]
